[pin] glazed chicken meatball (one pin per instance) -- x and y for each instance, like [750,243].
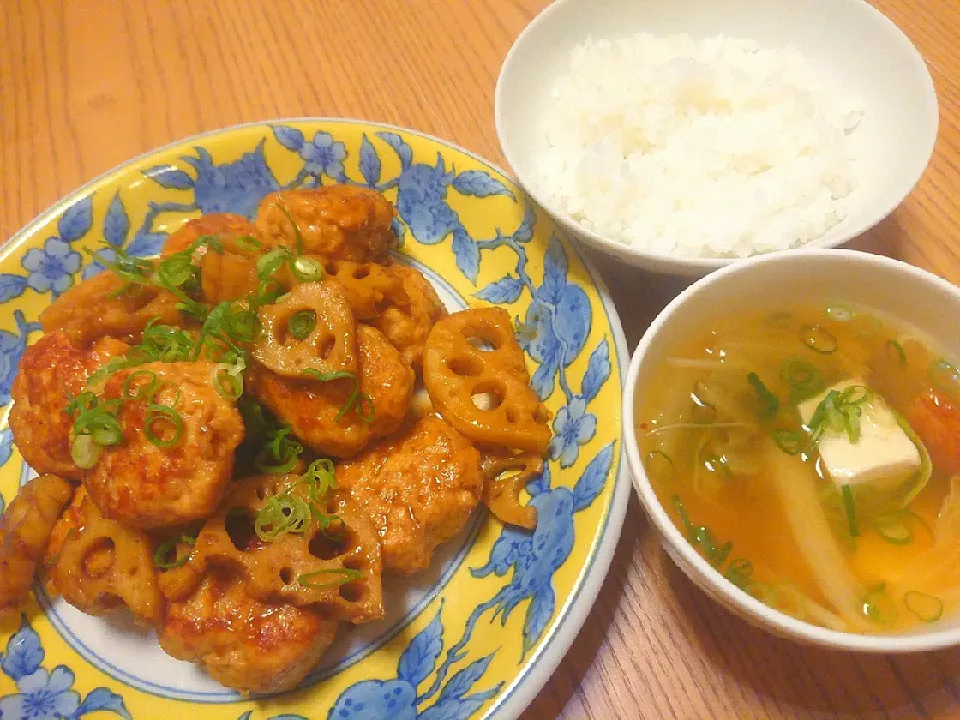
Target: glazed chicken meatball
[166,471]
[107,306]
[311,407]
[249,645]
[419,487]
[337,222]
[51,371]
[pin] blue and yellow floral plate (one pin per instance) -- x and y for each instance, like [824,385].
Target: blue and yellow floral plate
[478,635]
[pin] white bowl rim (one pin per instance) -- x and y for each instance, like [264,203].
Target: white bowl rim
[698,265]
[769,618]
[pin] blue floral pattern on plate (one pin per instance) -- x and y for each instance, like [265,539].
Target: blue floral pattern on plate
[44,694]
[553,332]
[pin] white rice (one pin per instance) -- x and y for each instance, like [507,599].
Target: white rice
[698,148]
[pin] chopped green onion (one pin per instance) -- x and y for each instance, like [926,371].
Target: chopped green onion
[306,269]
[296,229]
[270,263]
[818,339]
[892,528]
[361,401]
[143,391]
[840,411]
[162,553]
[701,536]
[341,577]
[302,323]
[84,451]
[320,478]
[840,312]
[162,414]
[282,514]
[850,509]
[659,466]
[803,378]
[898,349]
[791,442]
[767,402]
[740,573]
[280,453]
[878,606]
[248,242]
[927,608]
[227,379]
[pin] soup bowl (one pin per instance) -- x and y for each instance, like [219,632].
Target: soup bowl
[910,297]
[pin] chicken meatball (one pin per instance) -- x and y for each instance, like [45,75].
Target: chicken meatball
[51,371]
[311,407]
[25,530]
[106,306]
[176,455]
[338,222]
[419,488]
[245,644]
[223,227]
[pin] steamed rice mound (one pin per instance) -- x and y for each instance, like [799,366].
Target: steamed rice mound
[698,148]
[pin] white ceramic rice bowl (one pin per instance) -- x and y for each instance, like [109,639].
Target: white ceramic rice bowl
[854,47]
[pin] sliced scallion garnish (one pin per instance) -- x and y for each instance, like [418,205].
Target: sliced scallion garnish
[162,425]
[84,451]
[767,403]
[818,339]
[803,378]
[340,576]
[927,608]
[356,399]
[659,466]
[791,442]
[850,510]
[897,348]
[302,323]
[161,557]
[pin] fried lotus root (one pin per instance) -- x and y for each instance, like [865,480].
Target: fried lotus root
[368,287]
[339,222]
[504,477]
[418,488]
[313,409]
[330,346]
[226,228]
[99,566]
[246,644]
[149,485]
[459,373]
[337,568]
[25,530]
[104,305]
[408,313]
[52,370]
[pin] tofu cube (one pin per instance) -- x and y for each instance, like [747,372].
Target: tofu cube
[884,453]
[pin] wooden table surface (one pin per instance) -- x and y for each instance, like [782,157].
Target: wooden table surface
[87,84]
